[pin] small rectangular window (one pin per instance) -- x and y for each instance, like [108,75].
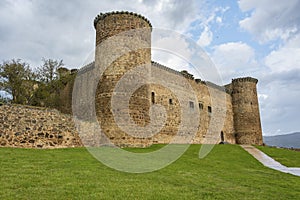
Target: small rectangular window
[171,101]
[209,109]
[153,97]
[191,104]
[201,106]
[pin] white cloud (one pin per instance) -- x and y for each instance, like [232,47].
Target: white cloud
[219,20]
[181,53]
[165,52]
[263,96]
[57,29]
[234,59]
[279,104]
[205,22]
[285,58]
[175,15]
[271,19]
[205,38]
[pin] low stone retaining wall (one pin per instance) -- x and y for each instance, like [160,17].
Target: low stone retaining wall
[35,127]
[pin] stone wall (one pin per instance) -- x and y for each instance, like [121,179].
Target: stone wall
[35,127]
[204,102]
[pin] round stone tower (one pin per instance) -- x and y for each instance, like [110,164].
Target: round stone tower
[123,44]
[246,111]
[113,23]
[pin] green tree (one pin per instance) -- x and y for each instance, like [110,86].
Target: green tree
[54,80]
[47,72]
[17,79]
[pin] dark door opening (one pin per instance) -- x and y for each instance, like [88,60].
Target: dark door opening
[222,136]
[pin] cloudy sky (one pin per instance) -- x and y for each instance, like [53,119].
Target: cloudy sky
[259,38]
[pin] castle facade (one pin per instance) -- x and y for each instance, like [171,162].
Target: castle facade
[139,102]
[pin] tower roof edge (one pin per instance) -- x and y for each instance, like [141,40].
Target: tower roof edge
[104,15]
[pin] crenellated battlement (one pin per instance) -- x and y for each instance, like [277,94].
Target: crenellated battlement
[102,16]
[245,79]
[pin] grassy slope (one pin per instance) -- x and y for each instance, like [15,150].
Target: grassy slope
[227,172]
[286,157]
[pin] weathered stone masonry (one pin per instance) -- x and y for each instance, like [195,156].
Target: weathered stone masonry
[123,43]
[116,32]
[35,127]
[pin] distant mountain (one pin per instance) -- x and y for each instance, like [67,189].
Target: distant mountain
[288,141]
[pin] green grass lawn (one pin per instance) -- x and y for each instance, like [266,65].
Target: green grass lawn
[228,172]
[287,157]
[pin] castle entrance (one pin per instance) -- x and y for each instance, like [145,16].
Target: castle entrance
[222,136]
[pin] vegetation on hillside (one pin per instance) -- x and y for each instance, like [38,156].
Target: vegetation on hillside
[17,79]
[39,87]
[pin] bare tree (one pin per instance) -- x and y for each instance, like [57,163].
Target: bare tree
[48,71]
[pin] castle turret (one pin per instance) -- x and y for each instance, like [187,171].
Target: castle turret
[123,44]
[245,105]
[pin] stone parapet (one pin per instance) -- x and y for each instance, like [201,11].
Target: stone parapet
[102,16]
[245,79]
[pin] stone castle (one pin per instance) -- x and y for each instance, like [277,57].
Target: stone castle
[192,107]
[136,101]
